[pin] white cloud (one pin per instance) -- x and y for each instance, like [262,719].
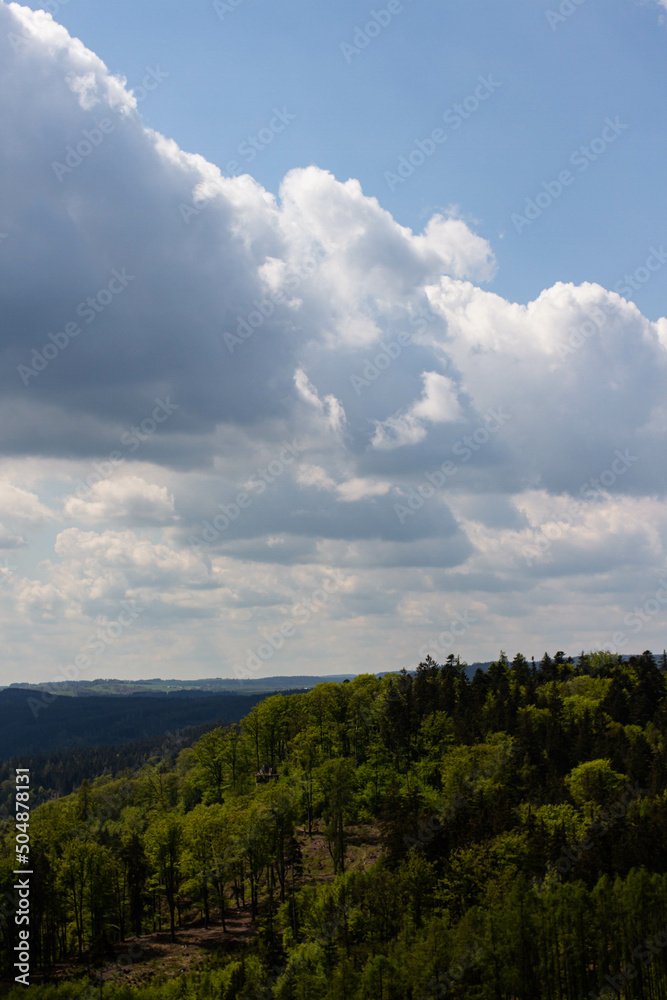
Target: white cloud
[360,488]
[439,404]
[330,408]
[463,254]
[580,369]
[315,475]
[329,277]
[20,510]
[397,431]
[95,571]
[17,504]
[130,500]
[39,602]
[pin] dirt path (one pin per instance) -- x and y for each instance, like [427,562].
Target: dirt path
[140,960]
[156,954]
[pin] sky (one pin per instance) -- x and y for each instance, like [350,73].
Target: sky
[332,335]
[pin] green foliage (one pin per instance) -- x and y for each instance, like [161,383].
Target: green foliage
[501,837]
[594,784]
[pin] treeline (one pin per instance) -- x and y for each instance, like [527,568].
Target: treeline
[522,816]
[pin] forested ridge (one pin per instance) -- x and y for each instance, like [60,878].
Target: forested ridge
[37,721]
[427,835]
[59,773]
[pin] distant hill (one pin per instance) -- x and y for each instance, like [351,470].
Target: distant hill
[228,686]
[28,726]
[178,687]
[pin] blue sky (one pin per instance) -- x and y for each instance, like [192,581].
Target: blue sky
[559,81]
[380,389]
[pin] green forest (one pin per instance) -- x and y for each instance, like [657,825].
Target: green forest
[419,835]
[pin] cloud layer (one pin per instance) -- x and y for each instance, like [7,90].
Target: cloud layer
[212,398]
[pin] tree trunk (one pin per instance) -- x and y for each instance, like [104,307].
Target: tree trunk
[205,895]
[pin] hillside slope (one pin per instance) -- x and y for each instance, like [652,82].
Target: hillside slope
[406,837]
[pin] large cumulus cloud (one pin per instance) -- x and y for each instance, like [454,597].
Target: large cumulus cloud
[231,393]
